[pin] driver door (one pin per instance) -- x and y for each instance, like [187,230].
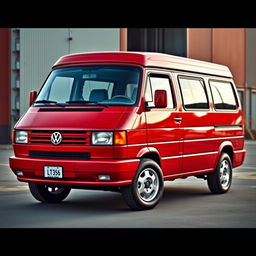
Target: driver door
[163,131]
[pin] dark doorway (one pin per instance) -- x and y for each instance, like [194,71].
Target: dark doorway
[165,40]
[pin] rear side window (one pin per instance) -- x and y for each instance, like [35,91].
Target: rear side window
[158,82]
[193,93]
[223,95]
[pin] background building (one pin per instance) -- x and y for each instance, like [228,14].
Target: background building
[28,54]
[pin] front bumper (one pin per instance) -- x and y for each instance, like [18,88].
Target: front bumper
[76,172]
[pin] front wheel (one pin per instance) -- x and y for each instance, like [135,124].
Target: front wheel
[48,193]
[219,182]
[147,188]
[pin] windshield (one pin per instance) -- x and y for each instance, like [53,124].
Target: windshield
[107,85]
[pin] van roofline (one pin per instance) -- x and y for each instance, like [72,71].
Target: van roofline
[147,59]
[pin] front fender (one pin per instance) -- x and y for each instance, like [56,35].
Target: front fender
[146,150]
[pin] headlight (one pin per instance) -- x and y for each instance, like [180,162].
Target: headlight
[21,137]
[102,138]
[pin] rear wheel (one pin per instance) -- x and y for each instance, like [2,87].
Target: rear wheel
[147,188]
[48,193]
[219,182]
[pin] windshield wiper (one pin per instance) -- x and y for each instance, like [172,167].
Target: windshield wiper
[85,102]
[49,101]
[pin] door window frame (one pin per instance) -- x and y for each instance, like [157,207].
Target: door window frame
[166,75]
[205,90]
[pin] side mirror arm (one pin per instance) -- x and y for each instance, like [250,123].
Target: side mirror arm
[32,97]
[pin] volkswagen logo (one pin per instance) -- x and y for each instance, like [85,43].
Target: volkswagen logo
[56,138]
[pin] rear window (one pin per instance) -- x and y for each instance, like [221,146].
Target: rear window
[193,93]
[223,95]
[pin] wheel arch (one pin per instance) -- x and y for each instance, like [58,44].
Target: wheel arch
[151,153]
[225,147]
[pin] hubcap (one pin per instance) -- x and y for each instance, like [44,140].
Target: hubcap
[148,185]
[225,174]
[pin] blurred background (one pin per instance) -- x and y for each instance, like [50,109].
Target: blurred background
[27,54]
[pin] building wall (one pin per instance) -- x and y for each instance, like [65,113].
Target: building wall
[250,57]
[200,44]
[228,48]
[40,49]
[221,46]
[165,40]
[4,86]
[235,48]
[251,77]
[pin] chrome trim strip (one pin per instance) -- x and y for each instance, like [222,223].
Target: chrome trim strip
[178,141]
[179,174]
[218,138]
[150,143]
[171,157]
[199,128]
[165,142]
[191,155]
[240,151]
[202,154]
[228,128]
[128,160]
[133,145]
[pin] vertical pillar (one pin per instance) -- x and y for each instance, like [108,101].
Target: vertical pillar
[5,86]
[123,39]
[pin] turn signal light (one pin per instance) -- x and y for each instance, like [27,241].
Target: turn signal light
[120,138]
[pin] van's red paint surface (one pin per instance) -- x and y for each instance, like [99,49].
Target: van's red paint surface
[191,146]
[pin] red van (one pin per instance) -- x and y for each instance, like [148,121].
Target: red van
[127,122]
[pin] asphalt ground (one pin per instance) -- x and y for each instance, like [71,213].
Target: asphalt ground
[186,203]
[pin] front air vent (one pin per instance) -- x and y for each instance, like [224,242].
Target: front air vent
[70,109]
[61,155]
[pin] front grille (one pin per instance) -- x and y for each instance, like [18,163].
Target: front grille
[68,137]
[62,155]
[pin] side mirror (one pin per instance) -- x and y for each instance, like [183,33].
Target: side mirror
[32,97]
[160,99]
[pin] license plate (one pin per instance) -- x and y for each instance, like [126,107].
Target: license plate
[53,172]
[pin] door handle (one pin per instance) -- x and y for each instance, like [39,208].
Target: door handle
[177,119]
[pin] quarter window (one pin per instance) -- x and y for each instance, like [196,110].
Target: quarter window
[158,82]
[193,93]
[223,95]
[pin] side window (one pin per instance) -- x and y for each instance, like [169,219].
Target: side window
[61,88]
[158,82]
[193,93]
[223,95]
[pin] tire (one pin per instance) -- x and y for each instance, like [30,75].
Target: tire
[147,188]
[220,180]
[48,193]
